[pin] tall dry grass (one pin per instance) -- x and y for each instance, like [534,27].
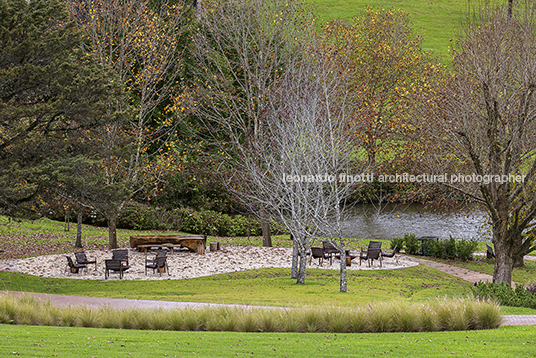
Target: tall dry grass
[437,315]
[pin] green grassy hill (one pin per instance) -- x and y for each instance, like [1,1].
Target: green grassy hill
[439,20]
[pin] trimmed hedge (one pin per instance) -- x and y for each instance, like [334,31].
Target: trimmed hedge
[444,249]
[505,295]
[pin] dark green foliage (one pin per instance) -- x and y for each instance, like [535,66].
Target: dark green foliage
[399,242]
[205,222]
[198,186]
[137,216]
[505,295]
[450,249]
[413,245]
[52,95]
[210,222]
[465,249]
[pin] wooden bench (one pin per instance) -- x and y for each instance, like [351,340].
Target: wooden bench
[194,243]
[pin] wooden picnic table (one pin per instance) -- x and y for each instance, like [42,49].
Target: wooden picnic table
[195,243]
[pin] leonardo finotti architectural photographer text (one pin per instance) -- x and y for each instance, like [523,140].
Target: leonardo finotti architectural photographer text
[404,178]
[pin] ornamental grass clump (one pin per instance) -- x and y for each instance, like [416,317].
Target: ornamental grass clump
[444,314]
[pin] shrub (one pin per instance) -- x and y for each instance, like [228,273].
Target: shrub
[450,249]
[505,295]
[399,243]
[210,222]
[412,244]
[465,249]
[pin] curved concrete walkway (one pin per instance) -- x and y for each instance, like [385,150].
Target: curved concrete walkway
[65,300]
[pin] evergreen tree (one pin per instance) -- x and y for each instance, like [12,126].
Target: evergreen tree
[52,97]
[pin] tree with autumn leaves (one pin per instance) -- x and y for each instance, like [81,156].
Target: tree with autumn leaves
[145,43]
[389,69]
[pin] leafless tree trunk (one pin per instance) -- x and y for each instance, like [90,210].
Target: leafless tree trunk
[293,166]
[487,120]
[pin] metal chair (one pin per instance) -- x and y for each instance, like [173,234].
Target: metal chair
[392,254]
[370,255]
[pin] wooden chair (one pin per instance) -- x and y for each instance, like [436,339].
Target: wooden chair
[318,253]
[121,255]
[329,250]
[72,267]
[392,254]
[370,255]
[489,252]
[159,253]
[81,258]
[115,266]
[160,264]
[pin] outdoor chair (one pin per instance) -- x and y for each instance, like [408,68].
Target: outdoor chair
[489,252]
[159,253]
[115,266]
[375,245]
[318,253]
[82,259]
[121,255]
[392,254]
[72,267]
[370,255]
[329,249]
[159,263]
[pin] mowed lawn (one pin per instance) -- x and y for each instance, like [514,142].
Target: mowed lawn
[29,341]
[440,21]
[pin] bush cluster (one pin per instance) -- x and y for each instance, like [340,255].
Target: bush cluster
[505,295]
[210,222]
[206,222]
[444,249]
[441,315]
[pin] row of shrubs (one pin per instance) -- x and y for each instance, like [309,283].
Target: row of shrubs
[143,217]
[505,295]
[440,315]
[444,249]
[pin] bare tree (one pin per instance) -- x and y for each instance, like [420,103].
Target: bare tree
[294,164]
[242,47]
[486,120]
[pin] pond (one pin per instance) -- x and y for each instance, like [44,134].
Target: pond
[370,221]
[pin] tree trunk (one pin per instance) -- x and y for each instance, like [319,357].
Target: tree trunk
[79,218]
[112,230]
[303,263]
[294,269]
[344,279]
[510,7]
[504,257]
[66,226]
[265,228]
[519,262]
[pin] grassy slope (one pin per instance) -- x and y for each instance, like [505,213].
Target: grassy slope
[513,341]
[261,287]
[439,20]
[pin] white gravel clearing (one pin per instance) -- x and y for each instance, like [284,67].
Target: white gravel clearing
[184,265]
